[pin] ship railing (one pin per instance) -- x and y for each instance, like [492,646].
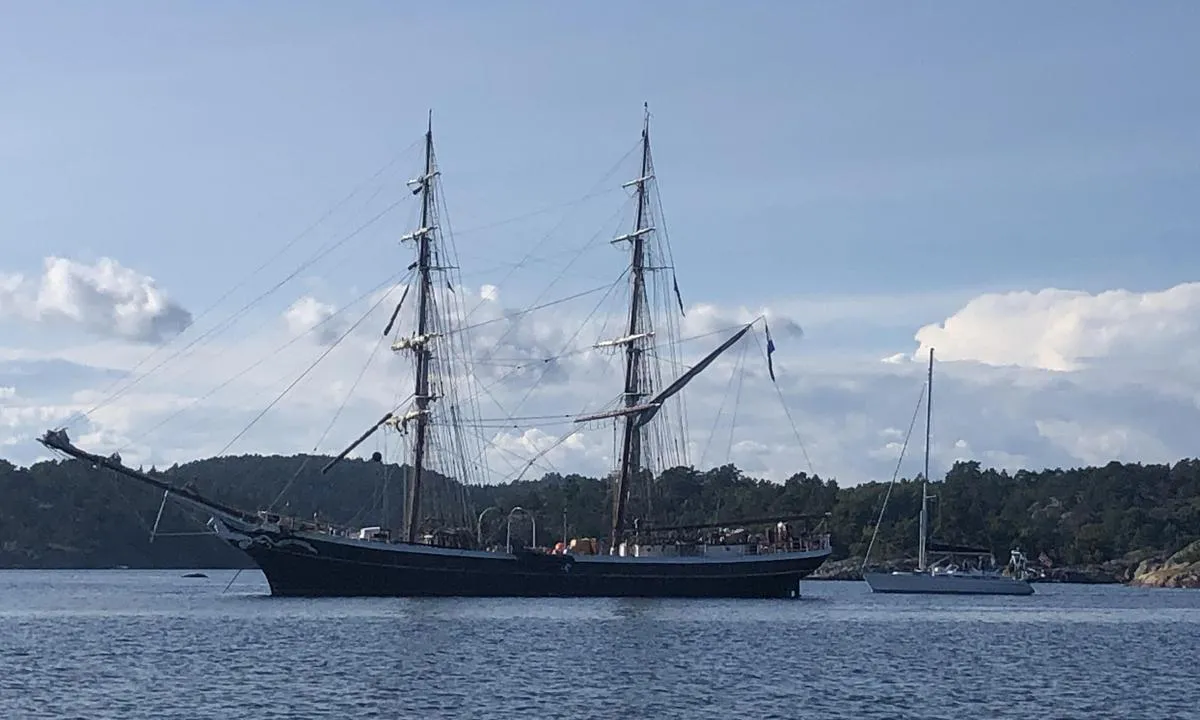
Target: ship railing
[295,524]
[809,544]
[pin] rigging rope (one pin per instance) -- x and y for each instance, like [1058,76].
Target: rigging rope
[550,208]
[362,372]
[737,398]
[535,308]
[575,258]
[230,583]
[712,431]
[529,418]
[571,339]
[557,225]
[346,399]
[378,492]
[310,368]
[883,506]
[563,419]
[661,259]
[486,390]
[238,285]
[506,362]
[543,453]
[224,325]
[480,456]
[514,468]
[456,441]
[263,359]
[788,413]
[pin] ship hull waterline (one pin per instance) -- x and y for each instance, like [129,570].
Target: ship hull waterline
[914,583]
[314,565]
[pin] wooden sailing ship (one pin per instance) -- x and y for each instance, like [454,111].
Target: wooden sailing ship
[757,557]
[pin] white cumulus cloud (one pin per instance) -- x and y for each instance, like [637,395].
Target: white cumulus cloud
[1064,330]
[105,299]
[1053,378]
[309,314]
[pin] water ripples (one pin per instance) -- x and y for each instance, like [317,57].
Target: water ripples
[131,644]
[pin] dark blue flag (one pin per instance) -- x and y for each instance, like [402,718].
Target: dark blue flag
[770,350]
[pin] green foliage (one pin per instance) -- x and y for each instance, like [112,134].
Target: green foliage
[67,514]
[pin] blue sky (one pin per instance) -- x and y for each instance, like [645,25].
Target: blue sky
[898,159]
[869,147]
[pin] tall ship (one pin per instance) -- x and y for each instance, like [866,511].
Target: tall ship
[944,568]
[759,557]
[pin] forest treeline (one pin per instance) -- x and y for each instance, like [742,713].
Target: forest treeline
[69,514]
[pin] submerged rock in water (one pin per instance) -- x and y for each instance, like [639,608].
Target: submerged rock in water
[1181,570]
[195,575]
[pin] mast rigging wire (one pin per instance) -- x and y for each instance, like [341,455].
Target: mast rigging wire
[332,421]
[310,368]
[236,286]
[225,325]
[600,183]
[263,359]
[883,506]
[788,413]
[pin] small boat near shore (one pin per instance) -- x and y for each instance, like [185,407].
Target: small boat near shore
[949,578]
[957,569]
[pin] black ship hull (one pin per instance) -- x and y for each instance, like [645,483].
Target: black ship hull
[313,565]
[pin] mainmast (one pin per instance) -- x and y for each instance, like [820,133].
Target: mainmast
[419,344]
[925,477]
[631,440]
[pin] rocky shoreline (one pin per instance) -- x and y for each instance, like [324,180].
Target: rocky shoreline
[1178,570]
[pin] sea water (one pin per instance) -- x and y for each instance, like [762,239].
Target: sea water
[154,644]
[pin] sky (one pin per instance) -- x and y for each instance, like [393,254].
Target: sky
[1011,185]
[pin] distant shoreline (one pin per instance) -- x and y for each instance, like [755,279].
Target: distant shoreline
[1119,523]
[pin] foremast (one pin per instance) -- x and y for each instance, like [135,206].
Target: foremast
[432,339]
[631,437]
[419,343]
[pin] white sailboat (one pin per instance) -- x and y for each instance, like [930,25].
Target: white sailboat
[957,569]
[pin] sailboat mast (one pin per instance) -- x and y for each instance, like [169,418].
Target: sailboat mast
[421,343]
[925,476]
[631,440]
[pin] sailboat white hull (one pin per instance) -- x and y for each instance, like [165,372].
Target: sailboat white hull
[925,583]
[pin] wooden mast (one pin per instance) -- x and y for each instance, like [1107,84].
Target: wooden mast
[631,439]
[420,343]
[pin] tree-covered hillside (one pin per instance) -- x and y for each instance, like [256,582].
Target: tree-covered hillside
[68,514]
